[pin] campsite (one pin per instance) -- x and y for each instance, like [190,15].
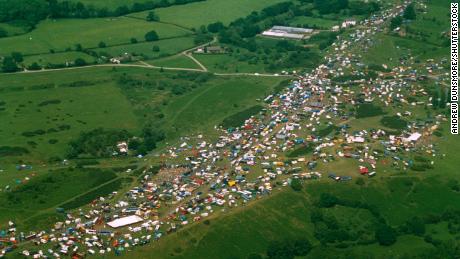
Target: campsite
[231,136]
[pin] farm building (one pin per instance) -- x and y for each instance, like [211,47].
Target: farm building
[288,32]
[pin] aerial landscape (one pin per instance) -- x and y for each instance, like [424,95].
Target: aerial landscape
[233,129]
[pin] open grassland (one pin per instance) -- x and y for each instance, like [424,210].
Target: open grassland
[45,120]
[432,25]
[166,47]
[12,30]
[59,35]
[175,61]
[424,39]
[310,22]
[43,112]
[33,203]
[208,106]
[203,13]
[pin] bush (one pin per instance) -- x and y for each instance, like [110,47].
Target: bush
[98,143]
[151,36]
[385,235]
[394,122]
[12,151]
[79,62]
[296,185]
[34,66]
[280,250]
[416,226]
[302,247]
[104,190]
[327,200]
[301,151]
[215,27]
[151,17]
[368,110]
[239,118]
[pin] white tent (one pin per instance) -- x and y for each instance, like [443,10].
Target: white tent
[125,221]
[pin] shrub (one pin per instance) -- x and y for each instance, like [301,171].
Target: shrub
[151,36]
[394,122]
[368,110]
[296,185]
[385,235]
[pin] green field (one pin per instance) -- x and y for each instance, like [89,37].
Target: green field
[167,47]
[312,21]
[57,58]
[12,29]
[194,15]
[206,107]
[110,5]
[62,34]
[174,61]
[76,109]
[47,191]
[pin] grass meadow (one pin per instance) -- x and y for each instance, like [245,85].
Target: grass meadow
[59,35]
[166,47]
[208,106]
[180,61]
[194,15]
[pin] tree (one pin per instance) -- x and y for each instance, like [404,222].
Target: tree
[215,27]
[360,181]
[78,47]
[102,44]
[416,226]
[302,247]
[254,256]
[385,235]
[34,66]
[152,17]
[296,185]
[133,40]
[280,250]
[8,65]
[17,56]
[156,48]
[409,12]
[327,200]
[3,33]
[396,22]
[79,62]
[151,36]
